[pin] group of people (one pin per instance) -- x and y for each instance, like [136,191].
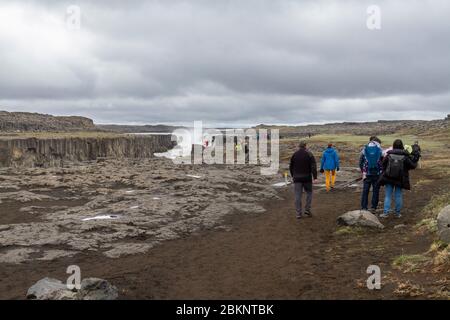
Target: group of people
[389,168]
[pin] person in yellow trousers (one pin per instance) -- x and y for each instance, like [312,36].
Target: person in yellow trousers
[329,164]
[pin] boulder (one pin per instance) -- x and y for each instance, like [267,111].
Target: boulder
[97,289]
[443,224]
[91,289]
[360,218]
[50,289]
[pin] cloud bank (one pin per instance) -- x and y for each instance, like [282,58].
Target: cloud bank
[226,62]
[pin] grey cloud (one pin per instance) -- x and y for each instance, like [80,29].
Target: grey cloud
[231,61]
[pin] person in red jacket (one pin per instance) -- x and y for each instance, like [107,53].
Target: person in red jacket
[303,170]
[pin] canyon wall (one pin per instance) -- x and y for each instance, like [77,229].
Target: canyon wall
[49,152]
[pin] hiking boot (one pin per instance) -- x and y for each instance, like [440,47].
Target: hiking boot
[398,215]
[299,216]
[308,213]
[384,215]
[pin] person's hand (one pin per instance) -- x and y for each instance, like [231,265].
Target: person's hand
[322,171]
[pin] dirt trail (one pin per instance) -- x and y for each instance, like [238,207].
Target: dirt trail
[270,255]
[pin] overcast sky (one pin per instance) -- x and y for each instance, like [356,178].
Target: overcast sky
[226,62]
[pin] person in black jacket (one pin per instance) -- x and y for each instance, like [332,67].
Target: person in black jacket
[303,169]
[396,165]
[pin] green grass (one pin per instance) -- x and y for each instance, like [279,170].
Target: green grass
[58,135]
[427,143]
[409,262]
[429,223]
[436,204]
[347,230]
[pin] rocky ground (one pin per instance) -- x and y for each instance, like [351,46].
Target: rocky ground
[156,230]
[119,207]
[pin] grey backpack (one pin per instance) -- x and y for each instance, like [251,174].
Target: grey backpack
[395,166]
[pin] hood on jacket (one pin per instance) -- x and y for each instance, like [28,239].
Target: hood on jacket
[371,144]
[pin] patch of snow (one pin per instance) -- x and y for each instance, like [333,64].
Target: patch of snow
[193,176]
[101,217]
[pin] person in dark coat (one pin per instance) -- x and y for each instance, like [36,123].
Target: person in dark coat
[396,165]
[303,168]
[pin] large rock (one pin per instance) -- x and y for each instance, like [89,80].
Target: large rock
[50,289]
[91,289]
[443,224]
[97,289]
[360,218]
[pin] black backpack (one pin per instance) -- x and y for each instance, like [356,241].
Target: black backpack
[395,166]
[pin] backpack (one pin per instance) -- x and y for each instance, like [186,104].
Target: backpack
[372,154]
[395,166]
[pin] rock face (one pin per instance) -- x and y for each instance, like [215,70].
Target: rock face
[91,289]
[443,223]
[360,218]
[53,152]
[24,121]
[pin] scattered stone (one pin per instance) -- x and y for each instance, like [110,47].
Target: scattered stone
[50,289]
[17,255]
[54,289]
[97,289]
[360,218]
[443,224]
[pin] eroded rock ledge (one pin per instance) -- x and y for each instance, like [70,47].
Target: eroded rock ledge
[54,151]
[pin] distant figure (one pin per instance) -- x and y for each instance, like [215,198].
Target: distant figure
[417,153]
[329,164]
[395,177]
[309,135]
[303,170]
[370,163]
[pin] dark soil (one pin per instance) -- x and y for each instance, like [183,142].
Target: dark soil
[267,256]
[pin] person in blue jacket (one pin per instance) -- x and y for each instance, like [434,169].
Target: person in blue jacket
[329,164]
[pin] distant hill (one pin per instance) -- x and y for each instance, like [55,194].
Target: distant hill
[137,129]
[364,128]
[35,122]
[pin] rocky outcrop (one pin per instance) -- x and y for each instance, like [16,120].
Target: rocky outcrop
[51,152]
[361,218]
[91,289]
[26,122]
[443,223]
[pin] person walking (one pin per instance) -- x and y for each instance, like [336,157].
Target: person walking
[303,169]
[329,164]
[417,153]
[395,177]
[370,163]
